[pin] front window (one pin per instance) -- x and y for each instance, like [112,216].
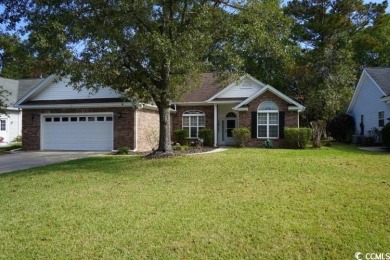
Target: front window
[381,119]
[268,120]
[193,121]
[2,125]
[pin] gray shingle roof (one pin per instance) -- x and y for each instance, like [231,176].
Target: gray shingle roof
[382,77]
[17,88]
[208,87]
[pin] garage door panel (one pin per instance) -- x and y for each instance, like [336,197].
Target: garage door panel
[89,132]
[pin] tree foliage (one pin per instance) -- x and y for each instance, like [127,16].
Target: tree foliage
[327,68]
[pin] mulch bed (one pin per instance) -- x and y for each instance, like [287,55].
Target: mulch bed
[191,150]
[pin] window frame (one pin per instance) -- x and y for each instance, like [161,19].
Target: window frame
[381,118]
[268,111]
[3,125]
[195,114]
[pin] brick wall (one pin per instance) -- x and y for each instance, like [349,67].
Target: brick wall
[177,117]
[290,117]
[123,126]
[148,129]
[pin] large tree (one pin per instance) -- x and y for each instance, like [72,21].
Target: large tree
[326,69]
[146,49]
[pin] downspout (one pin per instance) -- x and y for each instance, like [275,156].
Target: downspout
[215,125]
[298,117]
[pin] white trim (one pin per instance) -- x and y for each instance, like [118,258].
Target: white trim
[385,99]
[191,103]
[84,105]
[225,102]
[234,84]
[215,125]
[135,130]
[272,90]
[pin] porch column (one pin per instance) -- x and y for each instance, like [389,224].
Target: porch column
[215,125]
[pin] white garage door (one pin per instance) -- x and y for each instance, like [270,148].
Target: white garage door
[77,132]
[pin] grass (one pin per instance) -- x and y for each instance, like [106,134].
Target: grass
[243,203]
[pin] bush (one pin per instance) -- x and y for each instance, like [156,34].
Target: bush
[241,136]
[341,128]
[207,135]
[180,136]
[123,150]
[386,135]
[297,137]
[268,144]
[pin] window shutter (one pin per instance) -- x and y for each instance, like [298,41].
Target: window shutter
[281,124]
[254,125]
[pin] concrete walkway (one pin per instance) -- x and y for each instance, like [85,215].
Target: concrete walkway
[25,160]
[377,149]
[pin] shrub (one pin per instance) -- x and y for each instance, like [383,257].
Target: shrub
[341,128]
[123,150]
[17,139]
[241,136]
[268,144]
[297,137]
[386,135]
[180,147]
[207,135]
[180,136]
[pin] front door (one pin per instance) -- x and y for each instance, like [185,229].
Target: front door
[230,124]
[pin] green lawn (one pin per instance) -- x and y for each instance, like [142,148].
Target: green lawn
[242,203]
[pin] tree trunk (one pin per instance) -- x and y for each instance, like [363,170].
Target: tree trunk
[164,143]
[319,127]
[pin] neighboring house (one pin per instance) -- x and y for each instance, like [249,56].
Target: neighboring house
[57,117]
[370,103]
[11,122]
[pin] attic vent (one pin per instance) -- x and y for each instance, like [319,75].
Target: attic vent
[246,84]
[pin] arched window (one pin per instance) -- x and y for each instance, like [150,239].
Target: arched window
[193,121]
[231,114]
[268,120]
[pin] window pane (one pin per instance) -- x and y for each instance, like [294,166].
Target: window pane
[230,124]
[201,121]
[2,125]
[381,119]
[274,118]
[73,119]
[56,119]
[262,131]
[82,119]
[273,131]
[65,119]
[47,119]
[91,118]
[193,121]
[100,118]
[108,118]
[262,118]
[193,132]
[186,121]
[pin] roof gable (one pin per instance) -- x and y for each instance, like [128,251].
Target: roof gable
[17,88]
[52,89]
[245,87]
[274,91]
[366,76]
[381,76]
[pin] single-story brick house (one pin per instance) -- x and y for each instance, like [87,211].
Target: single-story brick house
[246,102]
[57,117]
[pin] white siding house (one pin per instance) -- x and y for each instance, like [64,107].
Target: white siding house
[11,121]
[370,103]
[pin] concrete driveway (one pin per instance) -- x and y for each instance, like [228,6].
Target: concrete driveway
[25,160]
